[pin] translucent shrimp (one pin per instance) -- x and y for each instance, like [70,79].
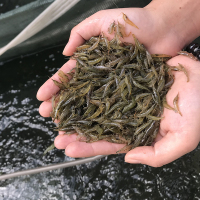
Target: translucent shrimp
[128,21]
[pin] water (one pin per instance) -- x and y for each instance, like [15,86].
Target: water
[24,135]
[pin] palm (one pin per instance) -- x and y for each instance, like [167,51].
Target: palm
[175,131]
[180,134]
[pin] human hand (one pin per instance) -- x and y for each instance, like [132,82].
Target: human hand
[156,34]
[178,134]
[147,34]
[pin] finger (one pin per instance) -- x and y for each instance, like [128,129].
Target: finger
[48,89]
[166,150]
[45,109]
[94,26]
[61,141]
[83,31]
[74,148]
[82,149]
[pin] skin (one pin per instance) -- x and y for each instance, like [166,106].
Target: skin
[160,33]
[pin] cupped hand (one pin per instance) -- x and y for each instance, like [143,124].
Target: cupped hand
[153,32]
[178,134]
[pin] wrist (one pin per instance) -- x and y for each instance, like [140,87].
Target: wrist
[178,19]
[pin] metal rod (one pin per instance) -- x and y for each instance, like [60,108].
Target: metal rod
[51,167]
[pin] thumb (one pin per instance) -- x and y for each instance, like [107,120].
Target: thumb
[166,150]
[83,31]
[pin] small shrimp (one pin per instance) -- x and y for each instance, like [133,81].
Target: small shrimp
[190,55]
[144,114]
[139,96]
[102,68]
[95,102]
[95,61]
[114,62]
[110,123]
[156,96]
[81,102]
[161,84]
[60,85]
[124,92]
[152,137]
[81,62]
[106,42]
[149,58]
[97,113]
[117,115]
[125,149]
[184,70]
[84,91]
[80,86]
[139,106]
[128,21]
[107,87]
[139,85]
[107,105]
[166,105]
[136,122]
[92,56]
[92,129]
[154,117]
[115,106]
[169,83]
[139,46]
[90,109]
[140,128]
[122,30]
[128,84]
[160,56]
[122,61]
[83,58]
[154,71]
[133,65]
[130,106]
[118,31]
[175,102]
[180,68]
[63,76]
[49,149]
[85,46]
[111,28]
[99,130]
[53,103]
[64,113]
[94,46]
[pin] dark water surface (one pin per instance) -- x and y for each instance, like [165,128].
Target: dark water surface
[24,135]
